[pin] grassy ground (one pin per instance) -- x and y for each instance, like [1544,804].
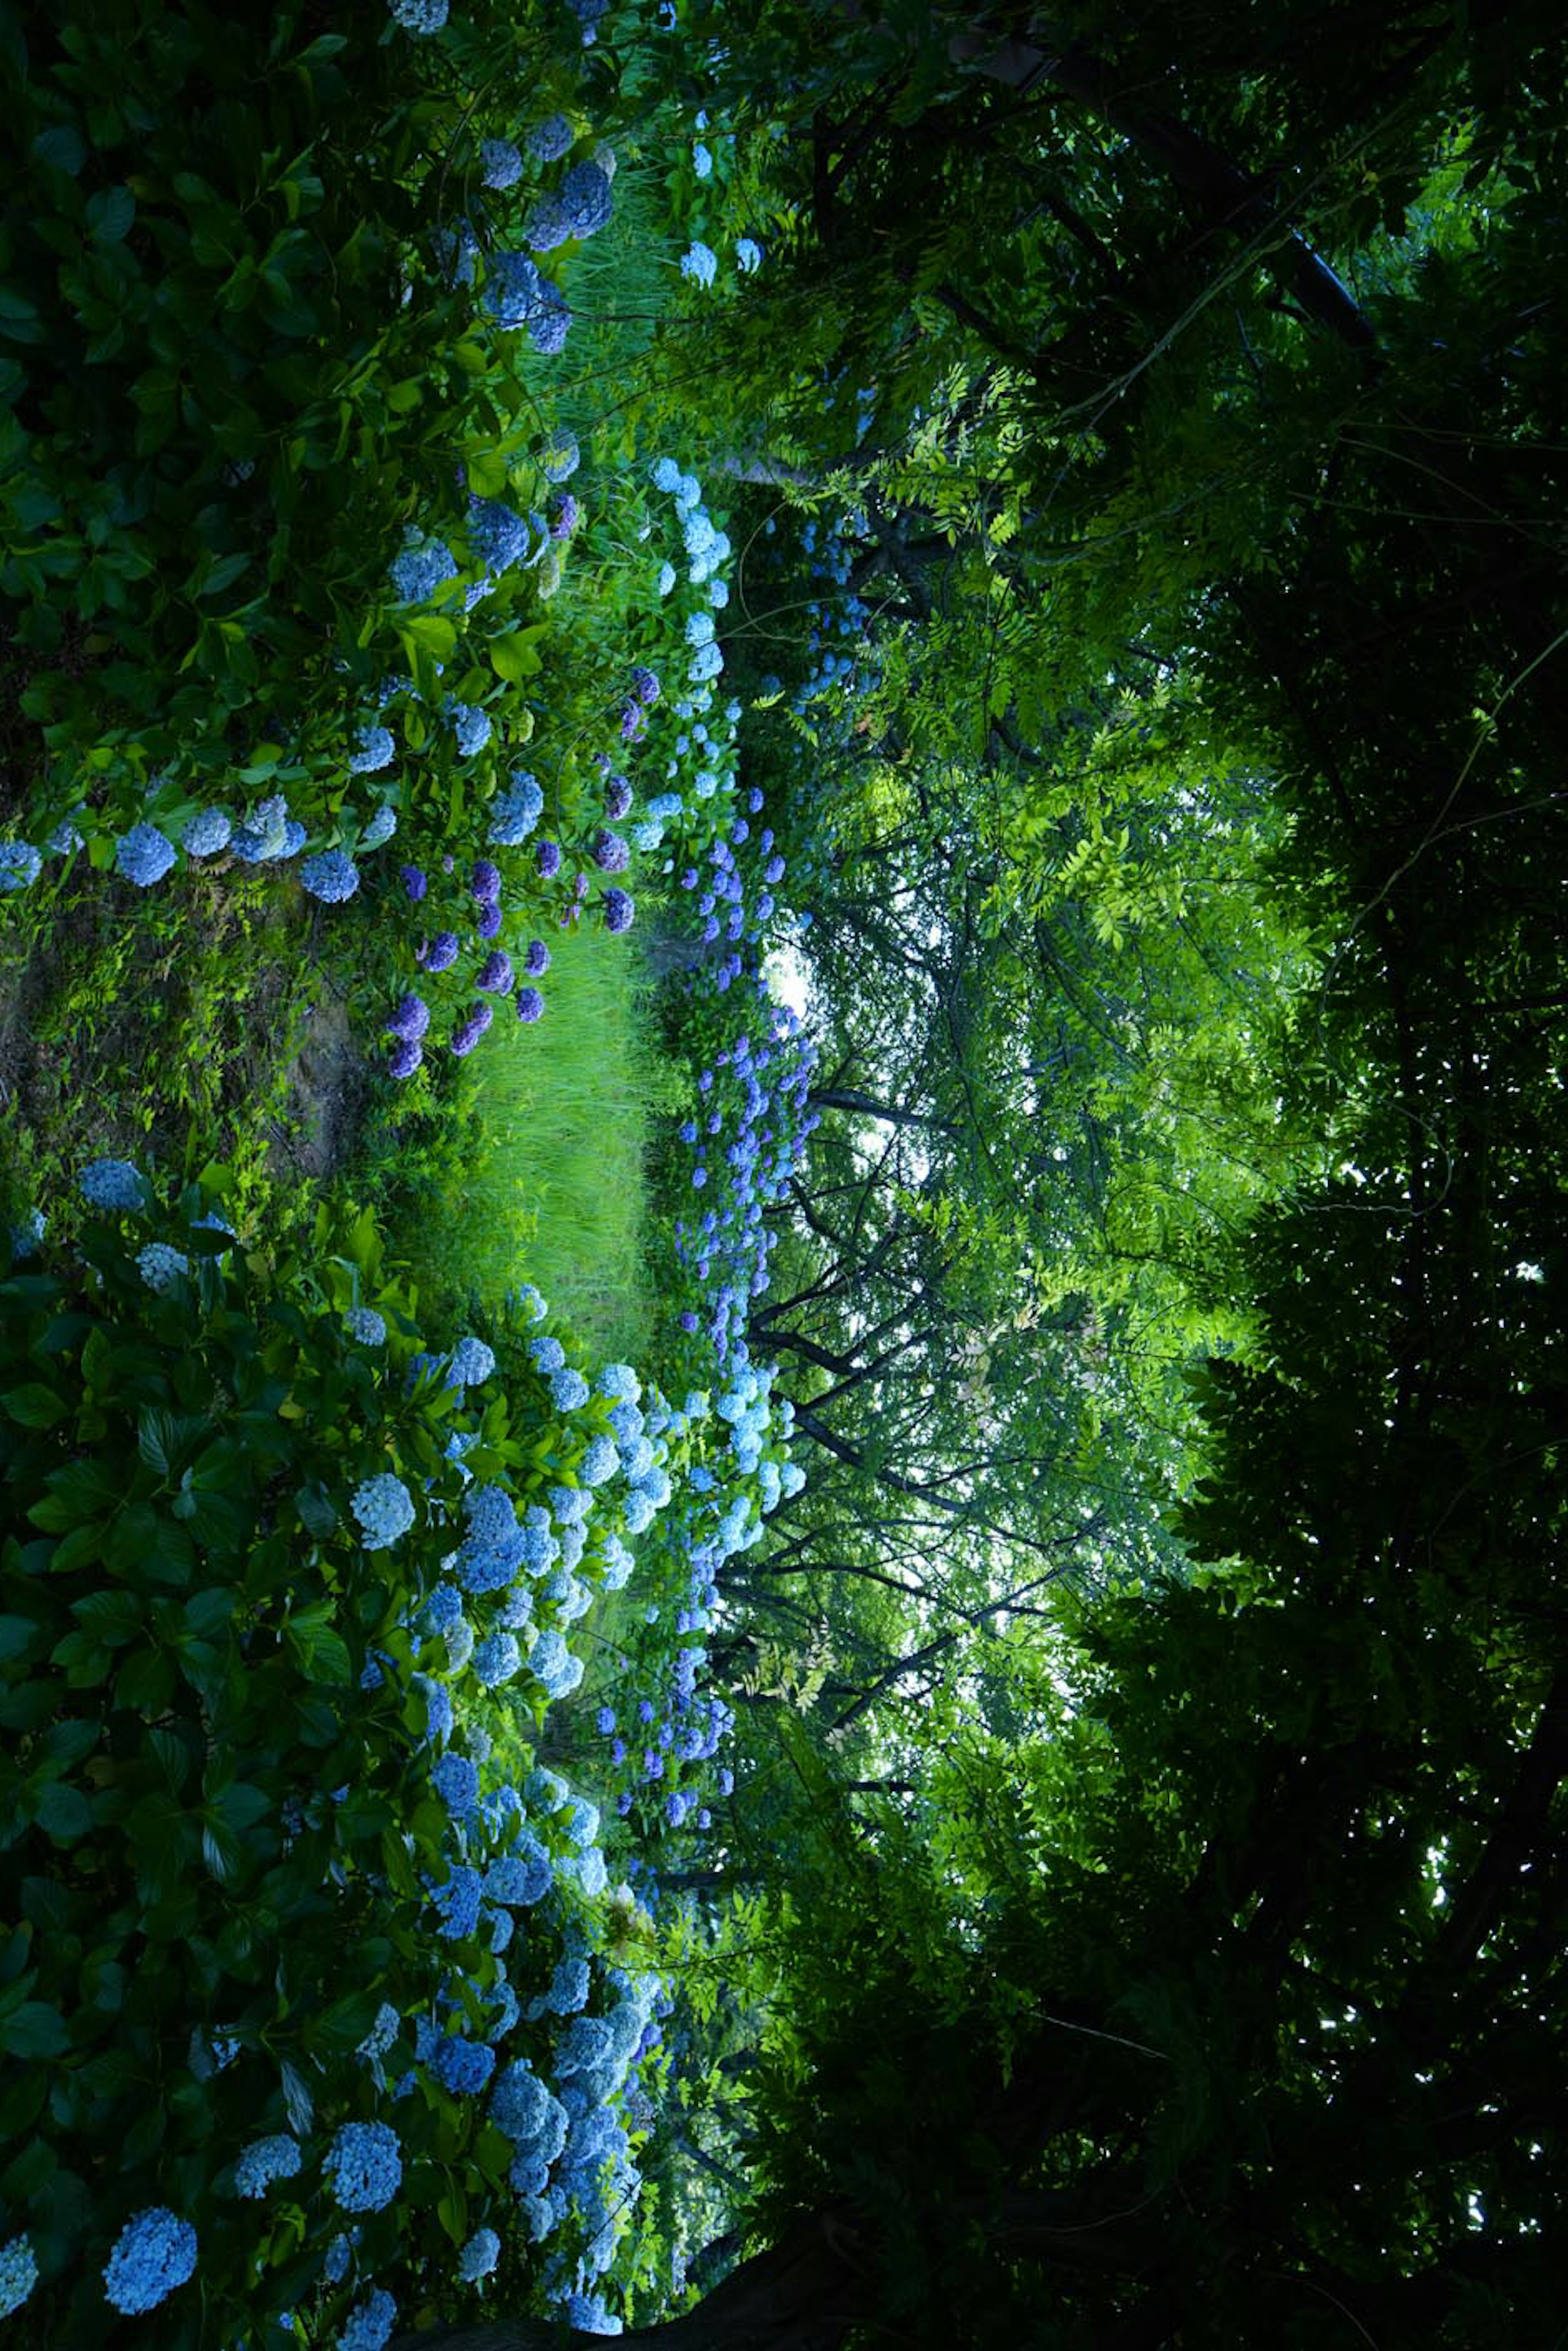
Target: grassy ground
[551,1186]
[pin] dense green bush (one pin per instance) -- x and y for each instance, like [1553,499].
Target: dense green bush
[220,1828]
[235,362]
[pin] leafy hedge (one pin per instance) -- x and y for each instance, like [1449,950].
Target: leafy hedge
[230,1866]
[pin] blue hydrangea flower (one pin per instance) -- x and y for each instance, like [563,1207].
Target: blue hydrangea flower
[364,2167]
[472,1363]
[587,2314]
[384,1509]
[207,833]
[443,1608]
[748,254]
[500,164]
[479,2256]
[363,1324]
[369,2322]
[568,1389]
[421,17]
[519,2104]
[457,1903]
[585,199]
[382,2033]
[331,877]
[548,142]
[421,570]
[457,1782]
[702,160]
[463,2067]
[112,1186]
[380,828]
[600,1461]
[496,1660]
[548,1354]
[472,727]
[516,812]
[437,1708]
[20,864]
[161,1266]
[498,533]
[335,2268]
[514,290]
[374,750]
[152,2255]
[266,2160]
[18,2274]
[143,855]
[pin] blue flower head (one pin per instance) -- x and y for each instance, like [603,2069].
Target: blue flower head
[421,570]
[208,831]
[699,262]
[384,1509]
[144,855]
[479,2256]
[332,877]
[370,2324]
[152,2255]
[112,1187]
[363,2168]
[20,864]
[266,2160]
[18,2274]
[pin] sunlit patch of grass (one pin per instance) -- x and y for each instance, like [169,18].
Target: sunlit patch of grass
[552,1187]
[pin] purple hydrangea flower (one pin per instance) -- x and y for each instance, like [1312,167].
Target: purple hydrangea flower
[467,1033]
[442,951]
[530,1003]
[546,858]
[644,685]
[496,975]
[609,852]
[617,796]
[487,921]
[565,512]
[485,883]
[536,963]
[414,882]
[404,1057]
[619,910]
[411,1018]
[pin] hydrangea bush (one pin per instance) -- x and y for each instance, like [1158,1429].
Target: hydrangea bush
[283,1618]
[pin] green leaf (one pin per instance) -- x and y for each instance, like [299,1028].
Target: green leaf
[109,214]
[145,1683]
[34,2030]
[63,1811]
[15,1633]
[34,1406]
[111,1617]
[221,1849]
[61,147]
[317,1515]
[513,660]
[406,395]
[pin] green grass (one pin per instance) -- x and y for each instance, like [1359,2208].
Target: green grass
[552,1187]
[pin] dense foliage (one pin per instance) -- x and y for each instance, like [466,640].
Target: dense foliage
[1001,1781]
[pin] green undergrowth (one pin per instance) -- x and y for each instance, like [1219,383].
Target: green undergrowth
[548,1180]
